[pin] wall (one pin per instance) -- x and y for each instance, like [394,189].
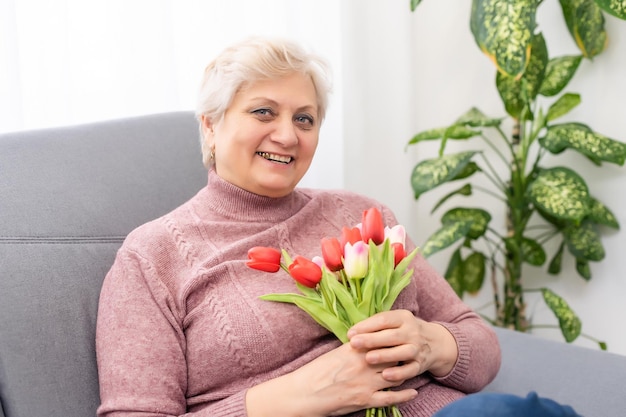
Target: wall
[425,73]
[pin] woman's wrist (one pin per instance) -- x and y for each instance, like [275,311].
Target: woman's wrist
[443,348]
[262,401]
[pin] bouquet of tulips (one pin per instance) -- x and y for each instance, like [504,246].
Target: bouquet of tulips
[358,275]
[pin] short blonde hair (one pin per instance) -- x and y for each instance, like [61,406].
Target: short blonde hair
[251,60]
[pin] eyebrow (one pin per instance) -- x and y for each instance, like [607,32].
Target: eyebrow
[308,107]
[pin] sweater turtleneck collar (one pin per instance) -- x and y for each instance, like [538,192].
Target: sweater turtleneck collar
[232,202]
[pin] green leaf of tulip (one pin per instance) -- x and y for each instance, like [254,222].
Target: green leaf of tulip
[503,31]
[447,235]
[615,7]
[558,74]
[585,23]
[563,105]
[478,218]
[474,272]
[583,241]
[600,214]
[560,193]
[569,322]
[431,173]
[579,137]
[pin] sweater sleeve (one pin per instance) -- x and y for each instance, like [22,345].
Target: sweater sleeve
[479,356]
[140,347]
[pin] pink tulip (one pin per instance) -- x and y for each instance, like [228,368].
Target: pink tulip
[396,234]
[356,260]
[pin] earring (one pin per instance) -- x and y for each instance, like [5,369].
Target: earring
[212,154]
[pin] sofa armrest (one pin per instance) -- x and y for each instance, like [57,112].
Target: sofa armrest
[591,381]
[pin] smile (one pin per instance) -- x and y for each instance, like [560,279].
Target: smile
[275,158]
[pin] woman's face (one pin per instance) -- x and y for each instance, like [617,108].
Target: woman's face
[267,138]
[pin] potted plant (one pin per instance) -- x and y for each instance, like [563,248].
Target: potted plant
[556,197]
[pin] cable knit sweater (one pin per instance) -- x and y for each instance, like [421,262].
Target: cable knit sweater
[181,328]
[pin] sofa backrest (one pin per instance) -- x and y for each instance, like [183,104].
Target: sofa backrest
[68,197]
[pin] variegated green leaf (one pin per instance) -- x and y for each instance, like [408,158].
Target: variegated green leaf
[583,268]
[558,74]
[585,22]
[615,7]
[580,138]
[510,91]
[533,252]
[454,273]
[464,190]
[555,264]
[503,30]
[563,105]
[447,235]
[431,173]
[414,4]
[583,241]
[469,170]
[561,193]
[474,272]
[451,132]
[600,214]
[476,118]
[478,217]
[516,94]
[569,322]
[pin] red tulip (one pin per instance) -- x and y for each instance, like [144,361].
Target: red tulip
[372,227]
[331,252]
[350,236]
[305,271]
[399,253]
[264,259]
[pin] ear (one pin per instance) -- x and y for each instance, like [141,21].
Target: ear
[207,125]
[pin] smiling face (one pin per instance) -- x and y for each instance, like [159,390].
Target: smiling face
[266,140]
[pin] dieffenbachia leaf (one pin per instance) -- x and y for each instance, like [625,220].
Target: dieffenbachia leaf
[600,214]
[533,252]
[476,118]
[414,4]
[583,241]
[558,74]
[569,322]
[447,235]
[503,30]
[454,273]
[561,193]
[562,106]
[615,7]
[469,170]
[431,173]
[583,268]
[464,190]
[451,132]
[555,264]
[516,94]
[479,219]
[581,138]
[585,23]
[474,272]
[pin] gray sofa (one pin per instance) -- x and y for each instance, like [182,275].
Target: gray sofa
[68,196]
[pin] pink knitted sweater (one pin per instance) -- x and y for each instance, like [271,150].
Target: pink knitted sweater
[181,328]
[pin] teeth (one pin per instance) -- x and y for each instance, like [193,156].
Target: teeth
[274,157]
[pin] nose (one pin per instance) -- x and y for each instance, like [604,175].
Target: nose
[285,132]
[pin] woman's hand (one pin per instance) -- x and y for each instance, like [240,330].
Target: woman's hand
[336,383]
[413,345]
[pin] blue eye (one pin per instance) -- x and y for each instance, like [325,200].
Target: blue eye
[305,120]
[263,113]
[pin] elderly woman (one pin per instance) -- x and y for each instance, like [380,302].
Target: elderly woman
[181,329]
